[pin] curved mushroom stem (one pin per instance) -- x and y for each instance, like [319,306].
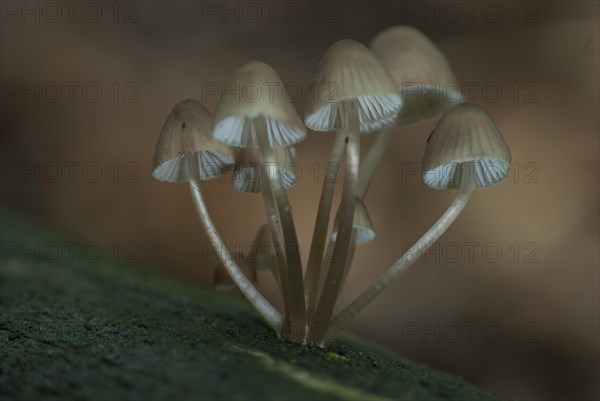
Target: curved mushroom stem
[333,281]
[312,278]
[268,312]
[292,272]
[350,259]
[325,267]
[371,161]
[279,266]
[264,251]
[327,261]
[415,252]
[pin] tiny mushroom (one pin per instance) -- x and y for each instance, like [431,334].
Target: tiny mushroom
[465,151]
[247,172]
[362,226]
[256,113]
[186,152]
[256,101]
[426,81]
[350,74]
[465,147]
[353,93]
[363,233]
[263,254]
[183,135]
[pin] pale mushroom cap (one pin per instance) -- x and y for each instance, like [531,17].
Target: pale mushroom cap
[187,133]
[365,232]
[255,91]
[349,72]
[465,136]
[247,173]
[424,76]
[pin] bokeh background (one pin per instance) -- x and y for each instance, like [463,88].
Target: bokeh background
[508,298]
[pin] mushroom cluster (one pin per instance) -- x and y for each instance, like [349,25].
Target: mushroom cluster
[401,79]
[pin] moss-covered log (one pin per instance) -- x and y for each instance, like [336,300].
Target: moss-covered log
[71,329]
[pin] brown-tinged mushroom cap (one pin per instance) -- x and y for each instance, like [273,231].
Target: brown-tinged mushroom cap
[349,72]
[465,136]
[365,232]
[187,133]
[247,171]
[423,74]
[255,91]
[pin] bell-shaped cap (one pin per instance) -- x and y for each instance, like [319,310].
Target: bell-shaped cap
[465,141]
[426,81]
[349,72]
[364,231]
[255,92]
[247,172]
[187,133]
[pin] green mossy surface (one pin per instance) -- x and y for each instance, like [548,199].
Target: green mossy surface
[97,331]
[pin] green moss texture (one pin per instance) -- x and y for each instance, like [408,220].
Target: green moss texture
[95,331]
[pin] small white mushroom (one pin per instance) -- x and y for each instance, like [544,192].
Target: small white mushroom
[426,82]
[247,173]
[353,93]
[183,135]
[186,151]
[465,151]
[350,73]
[266,119]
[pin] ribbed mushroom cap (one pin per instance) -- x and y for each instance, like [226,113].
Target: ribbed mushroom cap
[349,72]
[247,171]
[467,137]
[187,133]
[255,91]
[423,74]
[365,232]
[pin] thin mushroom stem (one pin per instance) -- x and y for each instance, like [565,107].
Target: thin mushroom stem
[267,311]
[258,252]
[279,268]
[325,267]
[274,265]
[335,274]
[327,262]
[312,278]
[350,259]
[372,159]
[402,264]
[296,328]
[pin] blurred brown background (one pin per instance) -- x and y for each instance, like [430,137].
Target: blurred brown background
[509,297]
